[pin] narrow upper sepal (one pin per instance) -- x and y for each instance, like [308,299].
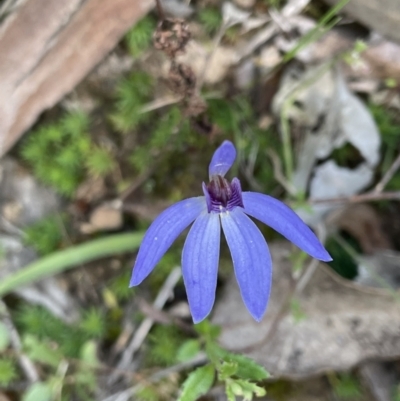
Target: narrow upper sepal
[162,233]
[251,260]
[222,159]
[281,218]
[200,259]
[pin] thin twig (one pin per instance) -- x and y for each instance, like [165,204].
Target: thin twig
[162,317]
[367,197]
[159,103]
[380,186]
[141,333]
[125,395]
[160,10]
[26,364]
[138,181]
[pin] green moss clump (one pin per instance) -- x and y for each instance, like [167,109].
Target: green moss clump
[46,235]
[138,39]
[164,342]
[57,152]
[130,95]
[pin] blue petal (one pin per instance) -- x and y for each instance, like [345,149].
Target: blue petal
[251,260]
[281,218]
[200,258]
[162,233]
[222,159]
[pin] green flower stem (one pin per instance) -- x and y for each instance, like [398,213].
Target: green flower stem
[71,257]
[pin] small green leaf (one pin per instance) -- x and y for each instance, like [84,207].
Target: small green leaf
[230,395]
[38,391]
[88,353]
[227,369]
[197,383]
[234,388]
[208,330]
[252,388]
[4,337]
[214,352]
[247,368]
[246,389]
[188,350]
[41,351]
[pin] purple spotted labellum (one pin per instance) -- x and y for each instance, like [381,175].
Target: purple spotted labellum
[224,204]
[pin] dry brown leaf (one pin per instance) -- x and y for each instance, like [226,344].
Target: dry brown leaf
[383,59]
[344,325]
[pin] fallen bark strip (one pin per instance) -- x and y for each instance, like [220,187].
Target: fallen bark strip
[47,47]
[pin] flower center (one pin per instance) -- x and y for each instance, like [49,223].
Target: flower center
[222,195]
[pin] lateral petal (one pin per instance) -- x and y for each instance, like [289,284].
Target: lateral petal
[251,260]
[222,159]
[281,218]
[200,259]
[162,233]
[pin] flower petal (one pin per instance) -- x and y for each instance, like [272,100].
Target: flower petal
[200,259]
[251,260]
[222,159]
[281,218]
[162,233]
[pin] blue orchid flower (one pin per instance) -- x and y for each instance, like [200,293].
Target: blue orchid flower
[224,204]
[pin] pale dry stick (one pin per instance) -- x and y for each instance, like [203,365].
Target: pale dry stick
[292,8]
[246,170]
[304,279]
[367,197]
[10,227]
[26,364]
[210,55]
[160,103]
[380,186]
[125,395]
[258,40]
[141,333]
